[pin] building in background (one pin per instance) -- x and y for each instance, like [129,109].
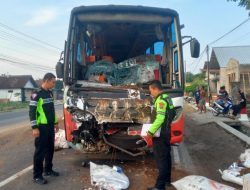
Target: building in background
[237,73]
[229,66]
[16,88]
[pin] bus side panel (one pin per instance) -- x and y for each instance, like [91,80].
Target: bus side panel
[69,125]
[177,130]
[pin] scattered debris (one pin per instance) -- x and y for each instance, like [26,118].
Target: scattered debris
[232,174]
[105,177]
[194,182]
[60,140]
[245,158]
[235,173]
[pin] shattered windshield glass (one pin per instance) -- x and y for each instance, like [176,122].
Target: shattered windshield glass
[120,53]
[136,70]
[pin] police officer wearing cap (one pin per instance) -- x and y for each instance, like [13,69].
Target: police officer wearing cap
[44,123]
[162,117]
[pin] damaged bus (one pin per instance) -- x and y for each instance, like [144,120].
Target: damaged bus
[111,54]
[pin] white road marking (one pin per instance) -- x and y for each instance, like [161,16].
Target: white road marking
[176,155]
[13,177]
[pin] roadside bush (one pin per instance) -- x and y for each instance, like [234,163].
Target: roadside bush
[8,106]
[196,81]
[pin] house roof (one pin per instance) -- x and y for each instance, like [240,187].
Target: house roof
[16,81]
[240,53]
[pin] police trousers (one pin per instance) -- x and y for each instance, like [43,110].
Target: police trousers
[44,150]
[162,154]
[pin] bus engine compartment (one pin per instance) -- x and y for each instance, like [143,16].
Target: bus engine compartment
[101,123]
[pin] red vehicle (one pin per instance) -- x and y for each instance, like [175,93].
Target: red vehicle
[111,54]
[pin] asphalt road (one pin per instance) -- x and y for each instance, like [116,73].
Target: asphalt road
[13,118]
[203,152]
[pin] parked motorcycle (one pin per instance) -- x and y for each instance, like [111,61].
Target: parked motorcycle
[222,107]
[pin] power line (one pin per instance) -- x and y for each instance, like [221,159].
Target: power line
[242,36]
[14,38]
[224,35]
[201,55]
[23,52]
[198,62]
[16,63]
[24,62]
[21,60]
[28,36]
[17,40]
[221,37]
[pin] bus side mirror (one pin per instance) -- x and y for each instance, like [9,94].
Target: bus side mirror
[59,70]
[195,48]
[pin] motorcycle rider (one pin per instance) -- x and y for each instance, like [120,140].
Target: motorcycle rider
[223,99]
[223,96]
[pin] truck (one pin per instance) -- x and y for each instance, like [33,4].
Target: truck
[111,54]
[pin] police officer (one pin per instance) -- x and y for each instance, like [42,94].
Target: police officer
[43,122]
[162,117]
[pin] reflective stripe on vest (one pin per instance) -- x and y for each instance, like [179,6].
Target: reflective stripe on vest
[48,100]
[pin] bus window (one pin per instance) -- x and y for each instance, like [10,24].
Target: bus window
[78,56]
[88,49]
[83,50]
[176,61]
[148,51]
[176,66]
[158,48]
[173,32]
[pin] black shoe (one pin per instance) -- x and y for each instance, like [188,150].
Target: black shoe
[51,173]
[40,180]
[154,188]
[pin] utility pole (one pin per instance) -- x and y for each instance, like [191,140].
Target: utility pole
[185,64]
[208,75]
[248,7]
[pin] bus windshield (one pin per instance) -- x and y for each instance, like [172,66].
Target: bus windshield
[124,53]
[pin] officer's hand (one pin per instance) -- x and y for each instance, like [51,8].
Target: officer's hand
[35,133]
[56,127]
[148,139]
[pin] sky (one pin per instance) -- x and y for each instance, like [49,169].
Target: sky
[48,20]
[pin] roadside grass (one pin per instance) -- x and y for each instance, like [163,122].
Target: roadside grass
[9,106]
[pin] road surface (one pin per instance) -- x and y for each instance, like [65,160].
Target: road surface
[17,117]
[206,149]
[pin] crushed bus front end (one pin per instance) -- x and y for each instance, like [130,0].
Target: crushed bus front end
[111,55]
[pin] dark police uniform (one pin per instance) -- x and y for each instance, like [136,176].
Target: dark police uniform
[163,106]
[42,116]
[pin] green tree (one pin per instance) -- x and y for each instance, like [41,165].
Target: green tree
[200,76]
[198,80]
[242,3]
[189,77]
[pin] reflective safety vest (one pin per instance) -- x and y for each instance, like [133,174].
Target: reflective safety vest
[42,110]
[163,113]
